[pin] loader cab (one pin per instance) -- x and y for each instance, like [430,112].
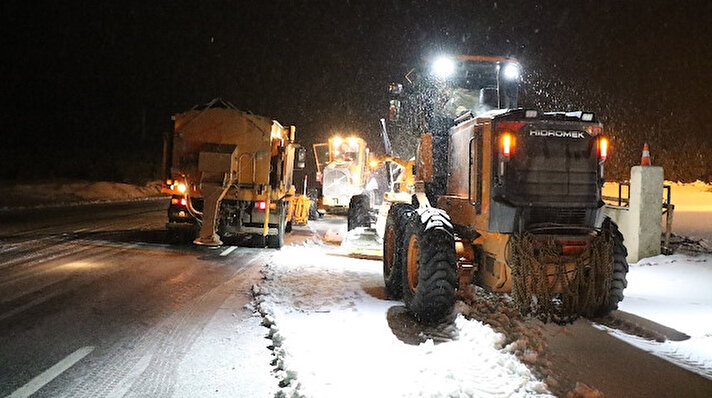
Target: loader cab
[446,88]
[474,84]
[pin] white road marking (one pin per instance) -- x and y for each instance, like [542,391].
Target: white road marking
[50,374]
[228,250]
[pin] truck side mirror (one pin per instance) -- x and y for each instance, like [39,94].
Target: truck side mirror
[300,160]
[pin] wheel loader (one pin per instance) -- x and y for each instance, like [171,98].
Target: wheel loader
[508,198]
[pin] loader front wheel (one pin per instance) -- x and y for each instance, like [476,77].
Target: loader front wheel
[620,269]
[358,214]
[396,221]
[430,269]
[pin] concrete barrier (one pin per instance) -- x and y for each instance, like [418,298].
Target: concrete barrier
[639,222]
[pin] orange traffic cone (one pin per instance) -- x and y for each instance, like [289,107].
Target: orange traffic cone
[645,160]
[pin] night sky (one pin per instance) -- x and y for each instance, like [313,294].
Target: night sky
[90,87]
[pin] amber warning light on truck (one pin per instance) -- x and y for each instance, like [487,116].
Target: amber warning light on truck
[603,148]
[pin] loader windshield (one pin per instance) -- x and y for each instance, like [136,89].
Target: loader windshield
[476,84]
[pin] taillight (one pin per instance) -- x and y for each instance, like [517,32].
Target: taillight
[181,201]
[506,144]
[262,205]
[602,148]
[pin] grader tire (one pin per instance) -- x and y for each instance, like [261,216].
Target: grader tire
[358,214]
[429,269]
[396,221]
[620,269]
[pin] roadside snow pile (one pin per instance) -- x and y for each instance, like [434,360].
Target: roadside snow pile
[674,291]
[523,335]
[334,335]
[62,193]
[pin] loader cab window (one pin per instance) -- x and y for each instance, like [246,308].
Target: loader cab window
[477,87]
[346,150]
[475,169]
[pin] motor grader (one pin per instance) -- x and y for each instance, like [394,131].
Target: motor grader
[508,198]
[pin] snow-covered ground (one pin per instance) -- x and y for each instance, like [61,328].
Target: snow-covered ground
[675,291]
[334,335]
[22,195]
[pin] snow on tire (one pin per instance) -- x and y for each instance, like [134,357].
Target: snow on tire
[358,213]
[620,269]
[429,269]
[398,216]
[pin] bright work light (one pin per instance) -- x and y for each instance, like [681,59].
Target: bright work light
[443,67]
[510,71]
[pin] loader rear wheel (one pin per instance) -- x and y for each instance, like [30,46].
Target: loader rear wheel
[396,221]
[358,213]
[620,269]
[430,270]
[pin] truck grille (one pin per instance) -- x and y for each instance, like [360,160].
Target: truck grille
[557,215]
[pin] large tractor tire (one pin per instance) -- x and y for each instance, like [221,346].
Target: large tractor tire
[359,212]
[430,268]
[620,269]
[398,216]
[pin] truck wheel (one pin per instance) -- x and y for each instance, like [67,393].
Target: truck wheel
[288,226]
[358,214]
[620,269]
[396,221]
[314,197]
[429,269]
[182,236]
[277,241]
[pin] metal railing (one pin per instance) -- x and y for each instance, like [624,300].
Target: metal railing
[668,209]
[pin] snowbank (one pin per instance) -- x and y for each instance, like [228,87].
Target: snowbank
[62,193]
[334,335]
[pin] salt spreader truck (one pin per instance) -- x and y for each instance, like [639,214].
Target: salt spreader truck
[229,174]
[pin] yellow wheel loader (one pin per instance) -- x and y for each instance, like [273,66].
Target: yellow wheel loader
[505,197]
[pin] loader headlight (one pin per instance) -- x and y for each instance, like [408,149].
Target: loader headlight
[510,71]
[181,188]
[443,67]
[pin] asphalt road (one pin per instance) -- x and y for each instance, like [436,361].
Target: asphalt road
[95,302]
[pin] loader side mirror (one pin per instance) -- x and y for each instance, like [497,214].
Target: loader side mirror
[300,160]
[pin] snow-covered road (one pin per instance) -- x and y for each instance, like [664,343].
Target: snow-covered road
[331,337]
